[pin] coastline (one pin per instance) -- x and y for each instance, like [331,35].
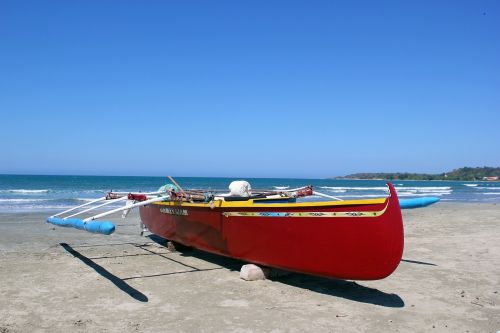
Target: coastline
[420,180]
[448,281]
[35,193]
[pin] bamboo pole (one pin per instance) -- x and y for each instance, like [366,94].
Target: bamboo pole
[326,196]
[175,183]
[108,202]
[85,204]
[142,203]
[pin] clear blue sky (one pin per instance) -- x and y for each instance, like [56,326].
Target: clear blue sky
[248,88]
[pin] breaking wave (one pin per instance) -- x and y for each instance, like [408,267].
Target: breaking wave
[345,188]
[22,191]
[74,200]
[22,200]
[423,194]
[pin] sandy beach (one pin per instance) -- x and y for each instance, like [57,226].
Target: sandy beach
[58,280]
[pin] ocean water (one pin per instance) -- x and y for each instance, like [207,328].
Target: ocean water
[24,193]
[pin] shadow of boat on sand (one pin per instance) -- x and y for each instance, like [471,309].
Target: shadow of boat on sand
[350,290]
[119,283]
[337,288]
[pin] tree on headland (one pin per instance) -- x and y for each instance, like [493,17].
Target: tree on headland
[463,174]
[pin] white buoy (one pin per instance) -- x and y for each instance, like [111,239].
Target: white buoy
[240,188]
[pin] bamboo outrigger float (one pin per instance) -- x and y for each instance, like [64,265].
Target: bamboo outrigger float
[351,239]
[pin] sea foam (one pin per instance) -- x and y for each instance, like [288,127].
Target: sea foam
[23,191]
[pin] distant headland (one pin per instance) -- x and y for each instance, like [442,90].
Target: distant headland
[462,174]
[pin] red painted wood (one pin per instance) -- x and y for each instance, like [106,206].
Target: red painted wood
[358,248]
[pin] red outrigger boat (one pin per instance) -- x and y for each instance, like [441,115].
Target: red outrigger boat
[354,239]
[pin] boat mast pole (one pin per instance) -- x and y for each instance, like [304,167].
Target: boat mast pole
[178,186]
[326,196]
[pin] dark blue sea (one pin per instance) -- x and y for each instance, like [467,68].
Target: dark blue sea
[24,193]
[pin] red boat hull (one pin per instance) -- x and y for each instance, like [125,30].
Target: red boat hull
[355,240]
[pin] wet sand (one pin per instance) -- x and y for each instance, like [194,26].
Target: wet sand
[57,280]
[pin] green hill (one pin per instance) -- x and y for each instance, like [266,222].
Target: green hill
[466,173]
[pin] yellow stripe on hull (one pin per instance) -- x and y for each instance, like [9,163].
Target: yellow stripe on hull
[251,204]
[304,214]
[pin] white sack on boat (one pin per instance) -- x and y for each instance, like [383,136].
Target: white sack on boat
[240,188]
